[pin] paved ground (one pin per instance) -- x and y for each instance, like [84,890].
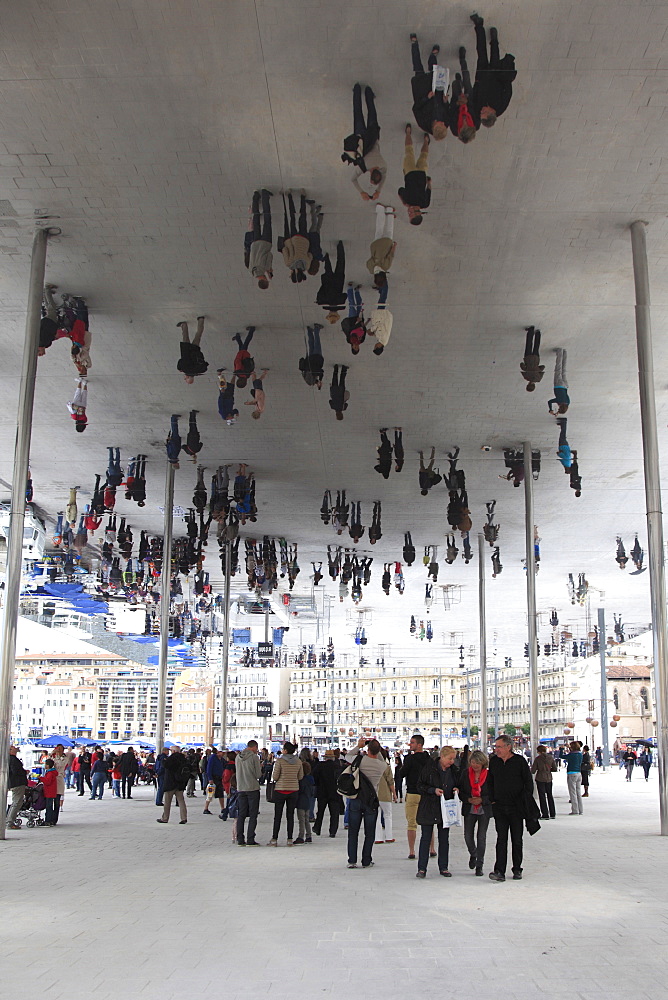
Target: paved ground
[109,905]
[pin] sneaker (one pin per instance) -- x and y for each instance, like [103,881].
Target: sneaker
[353,865]
[252,843]
[497,877]
[161,820]
[472,863]
[446,874]
[478,871]
[272,843]
[421,874]
[379,841]
[370,865]
[241,843]
[182,822]
[290,843]
[517,875]
[207,812]
[299,840]
[309,840]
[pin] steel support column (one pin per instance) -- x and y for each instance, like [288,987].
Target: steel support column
[531,596]
[226,645]
[482,612]
[650,444]
[18,505]
[165,587]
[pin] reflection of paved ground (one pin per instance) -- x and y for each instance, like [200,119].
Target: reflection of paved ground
[111,905]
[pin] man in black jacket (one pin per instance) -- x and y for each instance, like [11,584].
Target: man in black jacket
[509,781]
[16,784]
[414,763]
[331,295]
[325,775]
[128,765]
[494,77]
[429,106]
[177,774]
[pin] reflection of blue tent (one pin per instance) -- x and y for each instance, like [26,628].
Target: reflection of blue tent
[53,741]
[84,741]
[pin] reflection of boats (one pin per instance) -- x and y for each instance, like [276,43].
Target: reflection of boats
[34,535]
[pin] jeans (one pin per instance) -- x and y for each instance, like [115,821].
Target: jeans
[546,799]
[116,787]
[127,781]
[476,845]
[99,781]
[18,795]
[629,769]
[574,782]
[354,302]
[360,813]
[560,369]
[290,803]
[507,820]
[425,844]
[249,806]
[334,806]
[313,339]
[159,791]
[68,777]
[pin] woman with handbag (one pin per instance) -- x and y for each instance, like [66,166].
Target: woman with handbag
[476,807]
[437,779]
[543,767]
[288,772]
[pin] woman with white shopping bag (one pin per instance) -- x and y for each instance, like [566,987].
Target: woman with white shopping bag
[437,785]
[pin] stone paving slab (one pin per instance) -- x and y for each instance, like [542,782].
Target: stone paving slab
[110,905]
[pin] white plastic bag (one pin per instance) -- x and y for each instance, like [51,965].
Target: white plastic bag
[440,79]
[451,812]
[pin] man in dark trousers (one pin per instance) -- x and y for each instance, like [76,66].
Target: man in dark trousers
[493,87]
[331,295]
[258,240]
[325,775]
[177,775]
[191,362]
[429,106]
[312,366]
[248,772]
[128,765]
[508,782]
[531,368]
[362,148]
[338,394]
[384,466]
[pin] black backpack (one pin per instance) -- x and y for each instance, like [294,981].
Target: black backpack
[182,775]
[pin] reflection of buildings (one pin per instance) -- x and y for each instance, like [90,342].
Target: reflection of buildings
[245,687]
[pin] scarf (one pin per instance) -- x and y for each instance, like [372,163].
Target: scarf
[476,786]
[464,118]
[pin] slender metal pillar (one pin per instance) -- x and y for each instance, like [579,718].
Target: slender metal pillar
[440,703]
[604,688]
[657,579]
[483,639]
[165,582]
[496,702]
[18,505]
[531,597]
[226,645]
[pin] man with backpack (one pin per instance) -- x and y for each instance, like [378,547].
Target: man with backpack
[177,773]
[363,806]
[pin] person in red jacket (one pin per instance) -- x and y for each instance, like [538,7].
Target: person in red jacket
[50,785]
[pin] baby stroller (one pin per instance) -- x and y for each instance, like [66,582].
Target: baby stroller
[33,804]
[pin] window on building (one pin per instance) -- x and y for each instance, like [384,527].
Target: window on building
[645,698]
[615,698]
[435,716]
[435,699]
